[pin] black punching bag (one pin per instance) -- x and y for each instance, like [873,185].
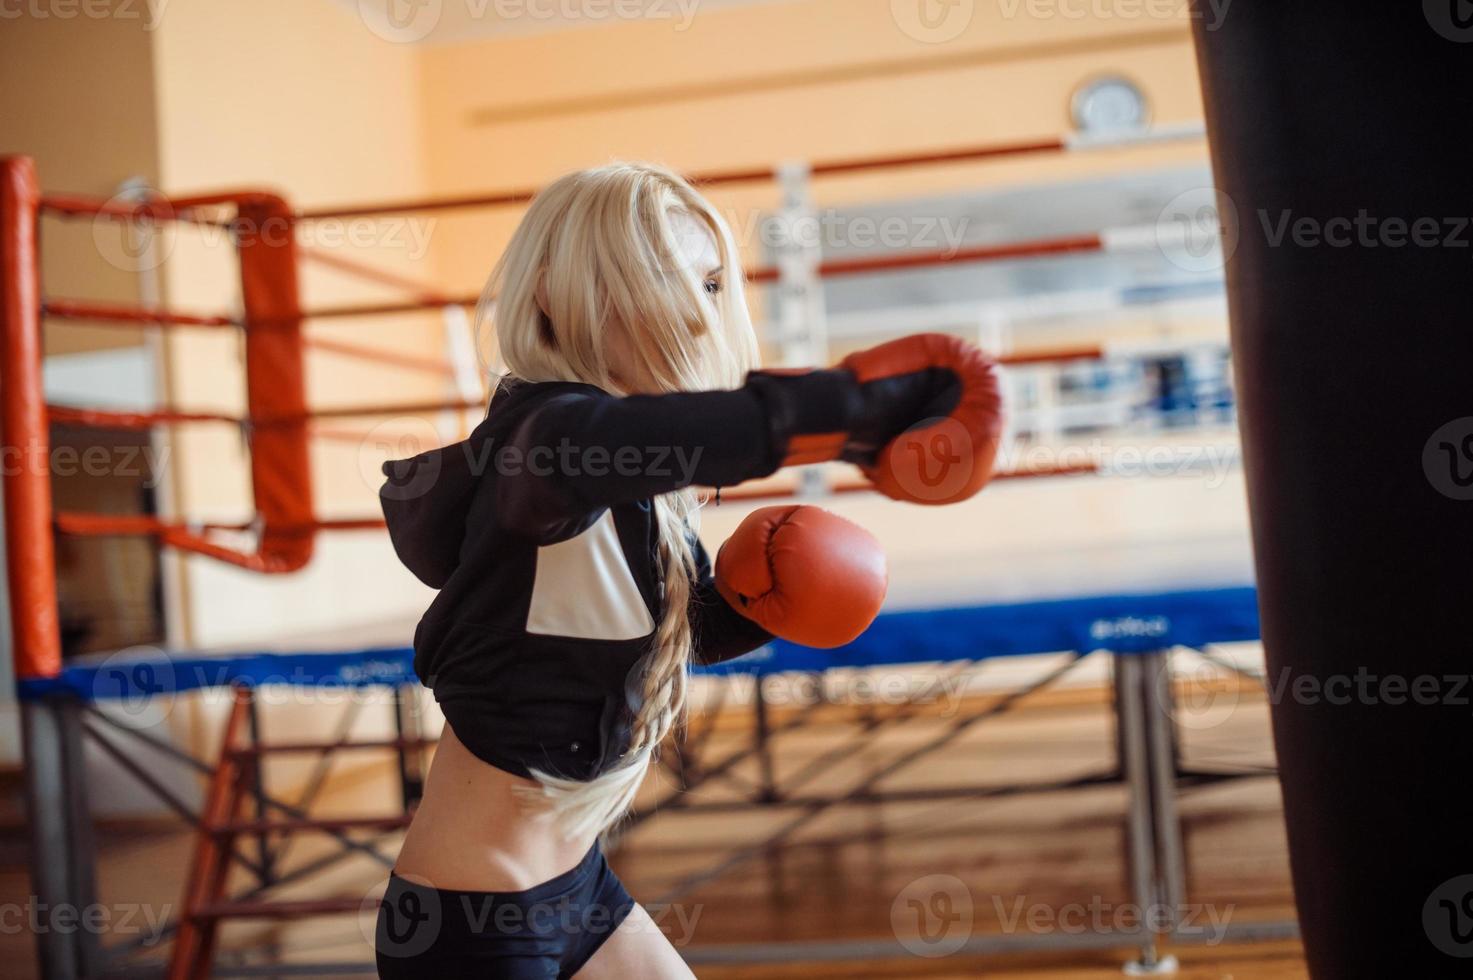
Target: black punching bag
[1340,141]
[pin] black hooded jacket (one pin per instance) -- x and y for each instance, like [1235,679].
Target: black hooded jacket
[539,532]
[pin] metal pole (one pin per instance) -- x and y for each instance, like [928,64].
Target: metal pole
[81,846]
[1142,850]
[49,816]
[411,749]
[1155,841]
[1161,740]
[265,856]
[763,747]
[194,940]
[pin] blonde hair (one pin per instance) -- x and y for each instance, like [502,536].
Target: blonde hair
[598,248]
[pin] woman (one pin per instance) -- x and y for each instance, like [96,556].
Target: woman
[573,592]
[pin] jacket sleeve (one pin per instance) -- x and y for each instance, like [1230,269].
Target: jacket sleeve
[583,450]
[721,633]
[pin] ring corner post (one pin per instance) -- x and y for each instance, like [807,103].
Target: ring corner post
[30,553]
[276,383]
[62,873]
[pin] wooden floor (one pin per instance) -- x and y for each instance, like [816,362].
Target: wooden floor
[1257,961]
[1026,864]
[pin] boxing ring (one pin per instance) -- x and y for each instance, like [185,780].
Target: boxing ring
[1144,602]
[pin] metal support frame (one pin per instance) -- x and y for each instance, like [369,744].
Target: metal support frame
[258,791]
[870,784]
[762,749]
[1148,768]
[195,941]
[762,744]
[410,756]
[233,775]
[62,850]
[1148,763]
[234,788]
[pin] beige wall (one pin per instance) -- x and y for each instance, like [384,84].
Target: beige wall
[77,94]
[305,101]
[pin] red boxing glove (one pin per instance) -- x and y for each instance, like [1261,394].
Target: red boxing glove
[803,574]
[934,418]
[921,416]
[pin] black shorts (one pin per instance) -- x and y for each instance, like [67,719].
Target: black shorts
[548,931]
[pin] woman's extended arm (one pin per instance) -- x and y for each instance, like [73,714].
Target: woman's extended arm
[580,451]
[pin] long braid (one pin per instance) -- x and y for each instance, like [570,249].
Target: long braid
[656,690]
[662,673]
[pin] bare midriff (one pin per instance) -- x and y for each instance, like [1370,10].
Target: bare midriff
[473,833]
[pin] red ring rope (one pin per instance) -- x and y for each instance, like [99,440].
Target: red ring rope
[175,209]
[132,421]
[1036,248]
[89,525]
[120,315]
[160,210]
[138,420]
[916,260]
